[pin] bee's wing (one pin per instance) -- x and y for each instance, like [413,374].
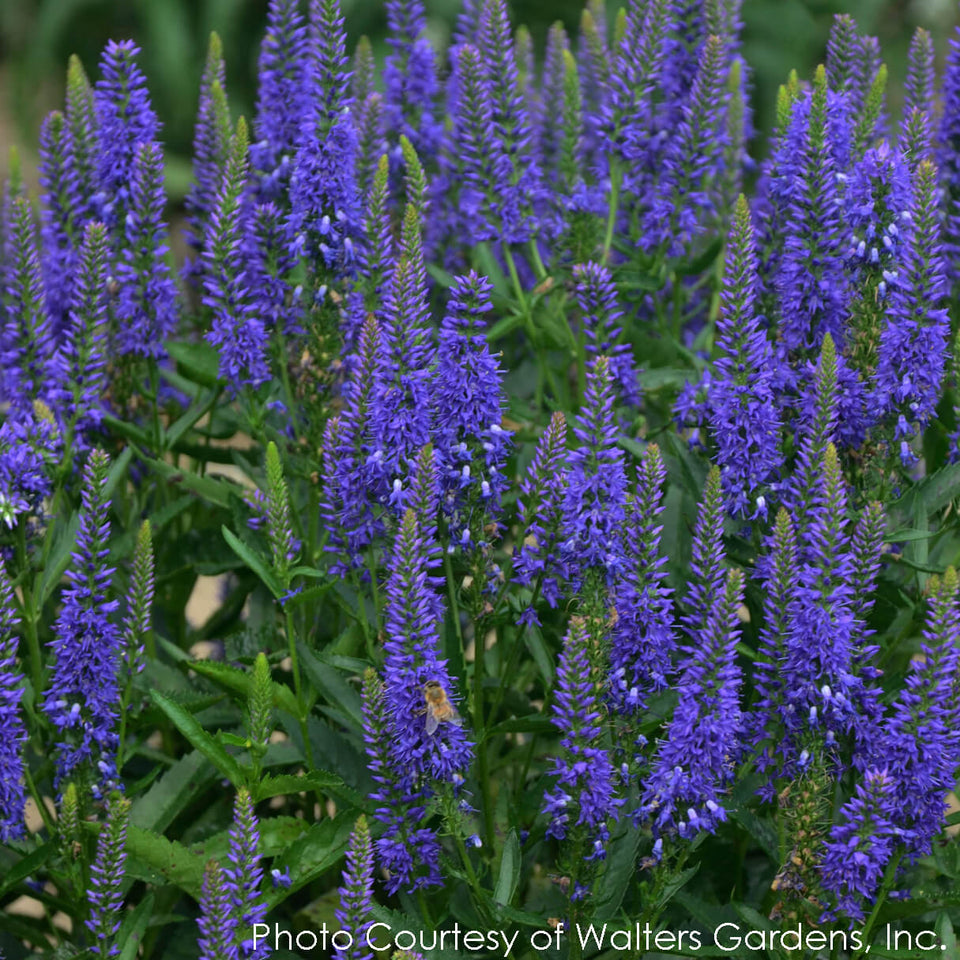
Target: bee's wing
[455,718]
[432,723]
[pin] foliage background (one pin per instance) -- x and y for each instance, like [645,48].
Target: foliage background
[37,37]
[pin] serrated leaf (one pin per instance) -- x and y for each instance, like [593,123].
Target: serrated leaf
[200,739]
[240,682]
[149,854]
[948,939]
[285,784]
[313,854]
[619,870]
[326,680]
[27,865]
[198,361]
[130,934]
[173,792]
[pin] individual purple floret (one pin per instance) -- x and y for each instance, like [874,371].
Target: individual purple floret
[82,698]
[743,416]
[244,876]
[438,751]
[583,794]
[407,852]
[696,760]
[279,97]
[642,641]
[601,316]
[237,329]
[356,894]
[218,926]
[105,895]
[595,496]
[146,309]
[410,78]
[913,344]
[12,791]
[861,844]
[126,121]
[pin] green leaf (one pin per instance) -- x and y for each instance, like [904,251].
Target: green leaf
[149,855]
[240,682]
[173,792]
[200,739]
[533,638]
[197,361]
[948,939]
[509,876]
[134,924]
[326,680]
[286,784]
[620,869]
[218,492]
[179,427]
[313,854]
[27,865]
[254,562]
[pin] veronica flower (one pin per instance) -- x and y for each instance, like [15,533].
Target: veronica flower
[12,791]
[325,215]
[642,640]
[60,217]
[125,121]
[211,148]
[137,622]
[601,314]
[81,119]
[549,132]
[217,940]
[948,155]
[410,78]
[696,760]
[583,791]
[468,399]
[913,344]
[31,448]
[237,329]
[595,495]
[105,895]
[843,54]
[861,844]
[244,875]
[83,694]
[146,309]
[918,87]
[31,370]
[356,894]
[279,96]
[408,852]
[412,649]
[743,415]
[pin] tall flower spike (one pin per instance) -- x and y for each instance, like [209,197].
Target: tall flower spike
[279,96]
[860,846]
[743,415]
[948,155]
[436,751]
[356,894]
[147,306]
[379,244]
[919,743]
[778,571]
[12,792]
[408,853]
[125,120]
[106,879]
[81,700]
[211,148]
[601,315]
[705,584]
[60,217]
[218,926]
[81,117]
[549,132]
[237,329]
[138,621]
[583,791]
[537,563]
[84,360]
[695,762]
[919,85]
[843,50]
[244,875]
[260,705]
[283,544]
[811,284]
[325,217]
[371,147]
[410,78]
[593,507]
[516,175]
[27,355]
[468,394]
[913,345]
[643,640]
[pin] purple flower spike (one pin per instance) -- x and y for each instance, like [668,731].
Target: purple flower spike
[218,926]
[356,894]
[244,876]
[106,879]
[12,792]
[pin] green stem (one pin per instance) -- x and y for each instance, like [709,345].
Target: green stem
[298,686]
[48,820]
[889,877]
[612,209]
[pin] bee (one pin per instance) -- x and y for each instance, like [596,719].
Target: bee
[439,709]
